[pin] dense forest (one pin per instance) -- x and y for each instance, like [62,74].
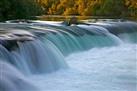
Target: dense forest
[18,9]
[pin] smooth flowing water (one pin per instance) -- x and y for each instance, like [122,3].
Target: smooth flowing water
[50,56]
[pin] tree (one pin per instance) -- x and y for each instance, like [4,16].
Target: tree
[132,7]
[18,9]
[70,11]
[113,7]
[4,7]
[82,5]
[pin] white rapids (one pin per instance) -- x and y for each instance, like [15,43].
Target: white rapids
[98,69]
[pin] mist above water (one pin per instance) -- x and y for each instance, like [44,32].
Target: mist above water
[98,69]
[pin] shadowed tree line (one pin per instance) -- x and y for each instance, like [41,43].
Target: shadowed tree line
[17,9]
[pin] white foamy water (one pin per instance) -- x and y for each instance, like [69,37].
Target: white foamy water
[99,69]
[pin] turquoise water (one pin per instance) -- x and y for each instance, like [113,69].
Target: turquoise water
[49,56]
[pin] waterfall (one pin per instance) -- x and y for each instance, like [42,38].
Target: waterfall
[126,31]
[103,31]
[35,57]
[12,79]
[42,47]
[93,36]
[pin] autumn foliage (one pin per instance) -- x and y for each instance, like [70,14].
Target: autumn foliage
[24,8]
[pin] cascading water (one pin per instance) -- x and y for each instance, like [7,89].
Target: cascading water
[39,57]
[97,56]
[12,79]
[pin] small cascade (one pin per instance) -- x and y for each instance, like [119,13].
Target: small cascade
[12,79]
[5,54]
[67,43]
[77,38]
[128,37]
[126,31]
[114,37]
[39,57]
[34,57]
[102,31]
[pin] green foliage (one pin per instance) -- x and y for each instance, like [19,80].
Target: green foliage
[113,7]
[18,9]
